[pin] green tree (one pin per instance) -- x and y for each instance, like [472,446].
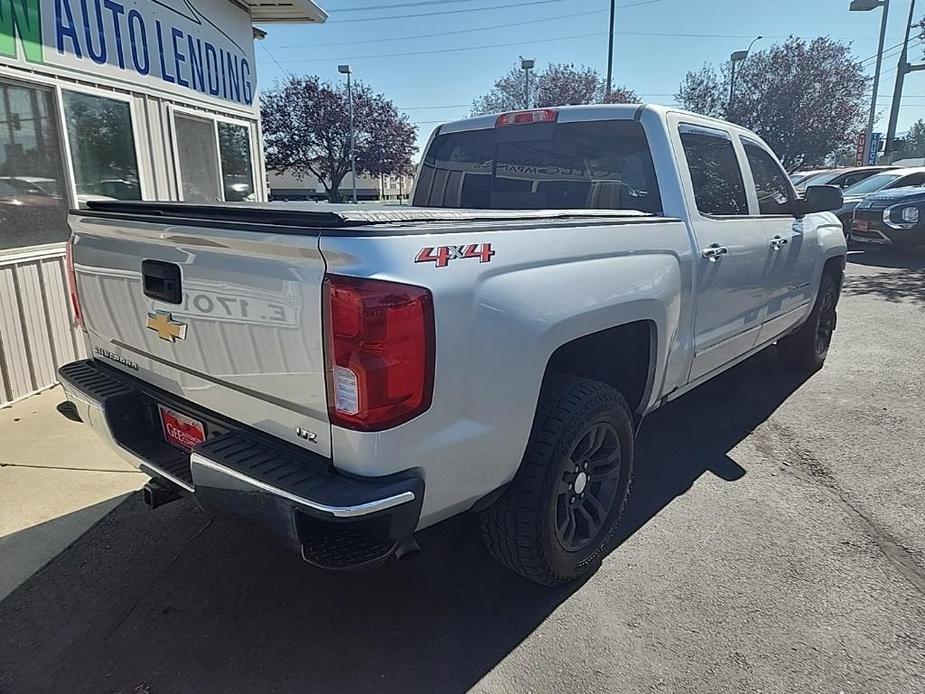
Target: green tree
[559,84]
[306,128]
[912,144]
[805,98]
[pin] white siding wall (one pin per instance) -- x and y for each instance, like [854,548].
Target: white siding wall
[36,328]
[36,332]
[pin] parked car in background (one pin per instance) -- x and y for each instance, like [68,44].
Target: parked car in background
[891,218]
[798,177]
[887,180]
[843,178]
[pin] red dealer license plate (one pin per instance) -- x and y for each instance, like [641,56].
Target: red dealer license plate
[181,431]
[860,225]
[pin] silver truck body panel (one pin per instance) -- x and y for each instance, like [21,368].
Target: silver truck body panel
[497,323]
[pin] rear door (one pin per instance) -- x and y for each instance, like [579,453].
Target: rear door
[792,242]
[731,286]
[226,318]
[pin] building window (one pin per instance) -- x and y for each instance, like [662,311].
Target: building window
[33,206]
[102,144]
[214,159]
[237,167]
[196,156]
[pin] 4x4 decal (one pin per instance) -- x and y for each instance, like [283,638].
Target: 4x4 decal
[442,255]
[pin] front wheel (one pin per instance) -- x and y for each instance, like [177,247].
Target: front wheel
[556,517]
[807,348]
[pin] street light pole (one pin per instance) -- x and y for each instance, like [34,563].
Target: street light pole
[904,67]
[867,6]
[526,64]
[345,70]
[737,57]
[613,12]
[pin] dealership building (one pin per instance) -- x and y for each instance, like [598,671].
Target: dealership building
[114,99]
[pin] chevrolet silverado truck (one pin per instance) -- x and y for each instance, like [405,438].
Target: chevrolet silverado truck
[347,376]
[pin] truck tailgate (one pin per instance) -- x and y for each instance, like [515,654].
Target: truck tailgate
[241,335]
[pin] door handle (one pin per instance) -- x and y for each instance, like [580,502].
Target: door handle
[779,242]
[714,252]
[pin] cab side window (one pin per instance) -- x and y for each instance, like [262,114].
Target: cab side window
[773,186]
[715,173]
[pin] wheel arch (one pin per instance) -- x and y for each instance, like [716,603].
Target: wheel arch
[624,357]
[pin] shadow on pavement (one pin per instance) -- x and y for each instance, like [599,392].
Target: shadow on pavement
[903,278]
[173,601]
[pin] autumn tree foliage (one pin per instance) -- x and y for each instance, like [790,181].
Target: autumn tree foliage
[559,84]
[806,99]
[306,130]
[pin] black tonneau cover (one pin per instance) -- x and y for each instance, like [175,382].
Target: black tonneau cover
[304,215]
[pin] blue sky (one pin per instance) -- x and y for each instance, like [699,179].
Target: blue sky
[461,46]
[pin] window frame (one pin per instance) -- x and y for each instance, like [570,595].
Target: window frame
[69,187]
[66,142]
[744,171]
[213,118]
[751,188]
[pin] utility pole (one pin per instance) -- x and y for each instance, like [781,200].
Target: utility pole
[613,16]
[904,67]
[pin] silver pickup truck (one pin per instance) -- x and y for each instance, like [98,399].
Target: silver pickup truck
[348,375]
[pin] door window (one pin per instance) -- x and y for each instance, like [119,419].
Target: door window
[771,183]
[715,173]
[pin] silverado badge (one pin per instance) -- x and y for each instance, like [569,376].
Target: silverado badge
[165,326]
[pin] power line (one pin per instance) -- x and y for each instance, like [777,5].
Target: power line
[441,34]
[450,50]
[443,12]
[390,6]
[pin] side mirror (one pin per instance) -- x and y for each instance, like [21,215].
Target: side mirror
[820,199]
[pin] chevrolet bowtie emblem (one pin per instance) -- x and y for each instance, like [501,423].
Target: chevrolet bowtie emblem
[165,326]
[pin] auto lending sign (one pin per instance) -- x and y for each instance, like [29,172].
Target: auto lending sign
[179,46]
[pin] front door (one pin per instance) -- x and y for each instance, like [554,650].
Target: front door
[732,247]
[791,242]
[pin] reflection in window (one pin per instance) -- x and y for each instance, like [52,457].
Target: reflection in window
[771,183]
[196,153]
[237,169]
[715,172]
[33,208]
[102,142]
[596,165]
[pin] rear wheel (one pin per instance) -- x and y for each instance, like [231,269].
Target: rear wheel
[807,348]
[555,519]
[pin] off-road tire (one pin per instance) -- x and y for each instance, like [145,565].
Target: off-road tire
[806,350]
[520,528]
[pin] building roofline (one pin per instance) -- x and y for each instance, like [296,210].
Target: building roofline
[284,11]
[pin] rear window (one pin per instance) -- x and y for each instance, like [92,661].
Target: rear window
[585,165]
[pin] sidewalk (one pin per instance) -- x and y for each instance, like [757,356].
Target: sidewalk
[56,480]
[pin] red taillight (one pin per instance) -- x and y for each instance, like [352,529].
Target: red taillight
[72,282]
[539,115]
[379,352]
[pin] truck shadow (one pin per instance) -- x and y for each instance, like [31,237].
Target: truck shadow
[175,601]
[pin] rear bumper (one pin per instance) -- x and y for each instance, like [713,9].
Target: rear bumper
[336,521]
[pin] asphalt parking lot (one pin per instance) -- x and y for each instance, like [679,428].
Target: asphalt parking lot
[775,542]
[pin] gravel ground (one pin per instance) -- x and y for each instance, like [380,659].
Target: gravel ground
[775,542]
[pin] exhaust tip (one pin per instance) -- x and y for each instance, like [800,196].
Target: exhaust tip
[407,550]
